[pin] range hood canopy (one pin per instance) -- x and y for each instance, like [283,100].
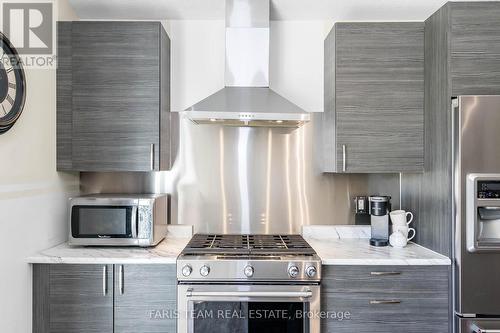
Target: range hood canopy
[247,99]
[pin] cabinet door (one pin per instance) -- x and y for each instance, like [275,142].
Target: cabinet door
[379,97]
[64,96]
[72,298]
[145,298]
[116,96]
[385,299]
[475,48]
[385,312]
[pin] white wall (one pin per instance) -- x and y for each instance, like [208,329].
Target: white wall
[33,195]
[296,64]
[197,63]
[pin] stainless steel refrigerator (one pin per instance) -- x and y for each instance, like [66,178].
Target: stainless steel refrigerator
[476,196]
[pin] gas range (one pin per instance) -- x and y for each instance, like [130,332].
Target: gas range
[249,259]
[248,274]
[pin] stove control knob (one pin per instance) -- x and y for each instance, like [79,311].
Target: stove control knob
[248,271]
[311,271]
[293,271]
[204,270]
[186,270]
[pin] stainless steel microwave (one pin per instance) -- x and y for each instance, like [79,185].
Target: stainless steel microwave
[118,220]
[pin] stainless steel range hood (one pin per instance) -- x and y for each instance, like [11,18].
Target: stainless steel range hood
[247,99]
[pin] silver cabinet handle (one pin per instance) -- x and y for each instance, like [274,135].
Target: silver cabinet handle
[344,163]
[120,279]
[477,329]
[152,156]
[384,273]
[104,280]
[385,301]
[215,294]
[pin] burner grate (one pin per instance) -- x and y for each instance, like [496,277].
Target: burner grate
[246,244]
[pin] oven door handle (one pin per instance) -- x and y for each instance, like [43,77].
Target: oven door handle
[478,329]
[217,294]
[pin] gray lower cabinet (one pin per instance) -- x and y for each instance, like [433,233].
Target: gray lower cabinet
[104,298]
[373,119]
[113,104]
[385,299]
[72,298]
[145,298]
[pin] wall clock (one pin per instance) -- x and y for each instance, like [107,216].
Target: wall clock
[12,85]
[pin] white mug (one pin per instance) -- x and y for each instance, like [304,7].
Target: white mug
[404,230]
[399,217]
[397,239]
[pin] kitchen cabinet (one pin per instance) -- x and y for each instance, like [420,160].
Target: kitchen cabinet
[113,97]
[474,47]
[145,298]
[385,299]
[104,298]
[462,57]
[72,299]
[373,120]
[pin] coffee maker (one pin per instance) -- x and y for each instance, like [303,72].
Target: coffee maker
[380,206]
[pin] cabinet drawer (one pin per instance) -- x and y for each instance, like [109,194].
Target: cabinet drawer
[387,279]
[385,312]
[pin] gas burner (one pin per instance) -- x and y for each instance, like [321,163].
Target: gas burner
[247,244]
[252,258]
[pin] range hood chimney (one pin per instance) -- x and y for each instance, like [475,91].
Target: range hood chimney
[246,99]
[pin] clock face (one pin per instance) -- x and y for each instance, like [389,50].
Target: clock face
[12,85]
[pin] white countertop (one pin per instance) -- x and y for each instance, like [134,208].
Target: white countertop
[165,252]
[335,245]
[349,245]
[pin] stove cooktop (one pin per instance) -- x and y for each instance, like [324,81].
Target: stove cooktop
[202,244]
[248,258]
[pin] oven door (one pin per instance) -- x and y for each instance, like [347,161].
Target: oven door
[478,325]
[103,221]
[223,308]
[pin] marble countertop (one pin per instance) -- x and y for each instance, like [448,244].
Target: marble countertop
[349,245]
[165,252]
[335,245]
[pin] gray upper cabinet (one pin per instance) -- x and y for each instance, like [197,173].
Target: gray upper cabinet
[474,47]
[462,57]
[113,105]
[145,298]
[373,119]
[72,299]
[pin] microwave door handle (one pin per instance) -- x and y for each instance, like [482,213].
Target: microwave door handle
[135,217]
[478,329]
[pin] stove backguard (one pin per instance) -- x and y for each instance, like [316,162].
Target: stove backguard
[249,181]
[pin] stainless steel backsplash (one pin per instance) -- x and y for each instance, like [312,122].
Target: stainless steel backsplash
[249,180]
